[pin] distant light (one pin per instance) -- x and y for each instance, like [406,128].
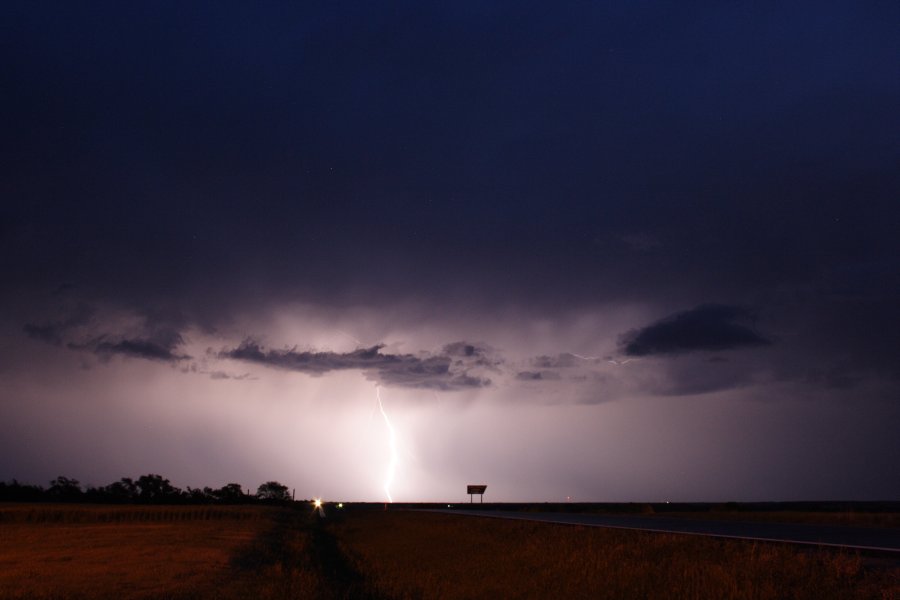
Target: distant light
[448,506]
[317,503]
[340,505]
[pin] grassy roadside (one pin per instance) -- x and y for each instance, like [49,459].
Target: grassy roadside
[423,555]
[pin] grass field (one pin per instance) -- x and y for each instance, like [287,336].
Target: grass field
[149,552]
[71,551]
[416,555]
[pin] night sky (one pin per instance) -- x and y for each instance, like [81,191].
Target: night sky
[616,251]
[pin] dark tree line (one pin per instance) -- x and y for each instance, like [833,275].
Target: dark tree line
[146,489]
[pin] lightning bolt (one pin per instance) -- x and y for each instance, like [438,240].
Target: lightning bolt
[392,444]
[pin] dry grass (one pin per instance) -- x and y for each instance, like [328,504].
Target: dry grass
[87,513]
[144,552]
[149,552]
[420,555]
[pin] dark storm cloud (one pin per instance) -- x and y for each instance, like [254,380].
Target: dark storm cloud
[313,363]
[157,338]
[139,348]
[526,173]
[463,349]
[431,373]
[456,155]
[396,150]
[473,355]
[547,367]
[695,375]
[48,332]
[559,361]
[538,376]
[445,371]
[161,345]
[219,375]
[529,375]
[710,327]
[54,332]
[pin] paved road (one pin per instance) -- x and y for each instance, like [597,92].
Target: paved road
[861,538]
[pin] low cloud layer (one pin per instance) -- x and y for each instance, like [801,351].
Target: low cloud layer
[446,371]
[54,332]
[710,327]
[161,346]
[77,331]
[560,361]
[538,376]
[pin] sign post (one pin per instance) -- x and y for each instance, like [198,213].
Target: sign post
[476,489]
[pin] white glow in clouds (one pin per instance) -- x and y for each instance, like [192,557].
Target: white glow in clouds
[392,444]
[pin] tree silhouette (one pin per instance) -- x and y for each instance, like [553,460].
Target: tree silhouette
[65,489]
[199,496]
[21,492]
[123,490]
[230,493]
[274,491]
[155,488]
[148,489]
